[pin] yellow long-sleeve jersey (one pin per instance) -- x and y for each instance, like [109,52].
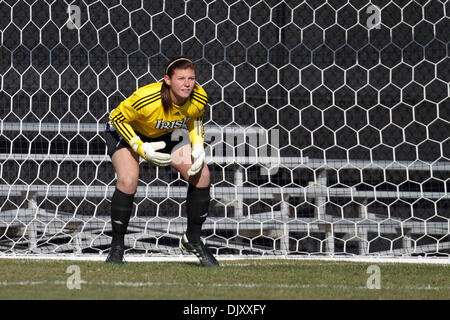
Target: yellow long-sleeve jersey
[143,111]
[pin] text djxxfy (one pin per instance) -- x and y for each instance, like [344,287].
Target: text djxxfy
[245,309]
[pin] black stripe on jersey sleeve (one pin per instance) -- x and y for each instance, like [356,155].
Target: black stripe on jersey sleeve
[144,100]
[118,122]
[201,102]
[119,117]
[149,102]
[199,98]
[125,132]
[201,95]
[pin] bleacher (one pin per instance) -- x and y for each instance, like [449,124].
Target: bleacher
[38,228]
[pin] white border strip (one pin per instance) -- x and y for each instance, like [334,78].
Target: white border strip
[7,283]
[162,258]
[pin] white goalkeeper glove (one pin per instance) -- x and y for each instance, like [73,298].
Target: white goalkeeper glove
[198,157]
[157,158]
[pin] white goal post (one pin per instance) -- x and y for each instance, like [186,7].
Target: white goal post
[327,130]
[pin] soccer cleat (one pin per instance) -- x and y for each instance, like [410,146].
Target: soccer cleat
[200,250]
[115,255]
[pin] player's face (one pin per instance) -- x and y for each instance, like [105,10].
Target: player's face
[181,84]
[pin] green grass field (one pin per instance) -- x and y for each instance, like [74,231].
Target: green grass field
[234,280]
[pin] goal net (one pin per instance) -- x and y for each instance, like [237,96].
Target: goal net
[327,129]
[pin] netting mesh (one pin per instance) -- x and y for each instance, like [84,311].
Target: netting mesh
[324,134]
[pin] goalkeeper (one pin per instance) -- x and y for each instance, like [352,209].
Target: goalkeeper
[146,125]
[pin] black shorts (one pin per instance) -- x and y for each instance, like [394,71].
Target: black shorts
[174,140]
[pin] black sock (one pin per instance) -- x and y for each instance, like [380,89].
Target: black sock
[197,205]
[121,208]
